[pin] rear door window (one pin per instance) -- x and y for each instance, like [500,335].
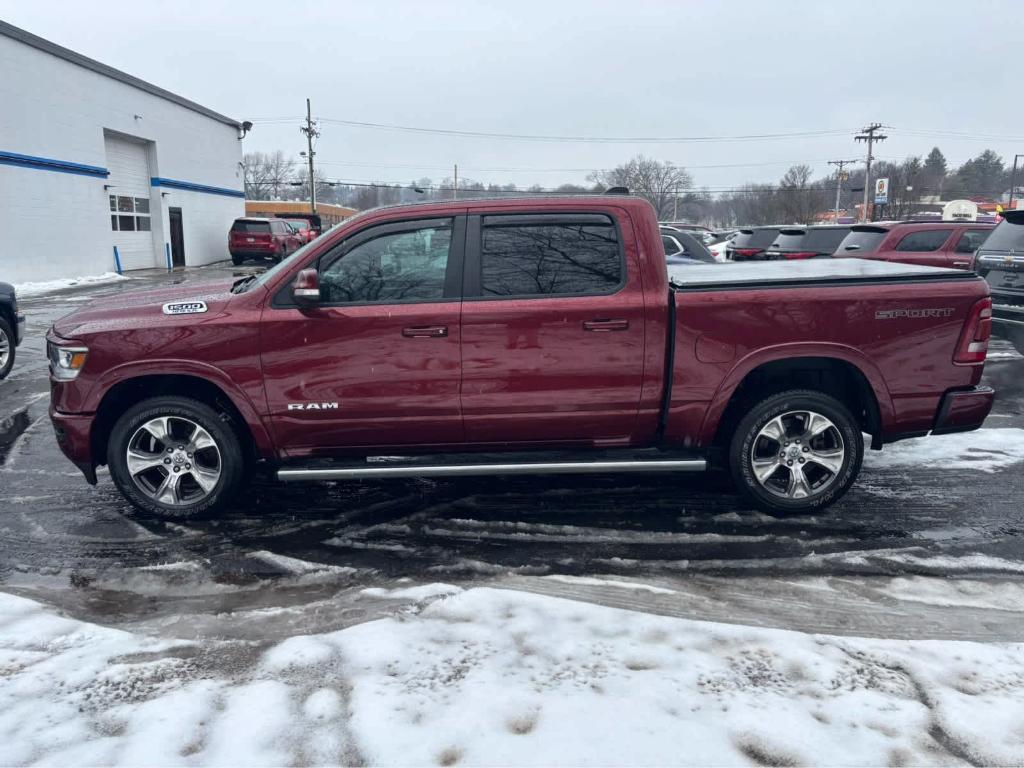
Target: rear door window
[532,256]
[971,240]
[925,241]
[251,227]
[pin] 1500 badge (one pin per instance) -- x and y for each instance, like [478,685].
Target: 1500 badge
[184,307]
[897,314]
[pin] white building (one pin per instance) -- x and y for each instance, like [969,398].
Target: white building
[100,170]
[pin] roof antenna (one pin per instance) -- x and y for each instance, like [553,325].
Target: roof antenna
[617,191]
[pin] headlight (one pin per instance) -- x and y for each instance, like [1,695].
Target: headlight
[66,362]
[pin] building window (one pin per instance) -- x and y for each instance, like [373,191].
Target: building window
[129,205]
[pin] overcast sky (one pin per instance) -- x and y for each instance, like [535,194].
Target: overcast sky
[574,68]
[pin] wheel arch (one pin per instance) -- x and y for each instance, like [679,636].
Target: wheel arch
[841,372]
[127,391]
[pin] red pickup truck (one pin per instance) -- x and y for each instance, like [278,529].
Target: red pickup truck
[516,336]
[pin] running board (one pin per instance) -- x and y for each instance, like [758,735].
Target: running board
[369,471]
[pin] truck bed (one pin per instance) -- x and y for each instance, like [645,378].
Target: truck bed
[760,274]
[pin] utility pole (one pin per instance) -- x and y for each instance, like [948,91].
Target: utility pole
[455,186]
[311,132]
[675,204]
[869,135]
[841,176]
[1013,181]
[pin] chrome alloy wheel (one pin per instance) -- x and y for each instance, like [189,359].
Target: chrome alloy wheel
[174,461]
[5,348]
[797,455]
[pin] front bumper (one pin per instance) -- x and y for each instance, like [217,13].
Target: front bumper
[962,410]
[74,433]
[19,329]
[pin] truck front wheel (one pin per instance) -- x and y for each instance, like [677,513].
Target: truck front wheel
[175,457]
[796,452]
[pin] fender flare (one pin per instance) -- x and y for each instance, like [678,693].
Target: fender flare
[175,367]
[790,351]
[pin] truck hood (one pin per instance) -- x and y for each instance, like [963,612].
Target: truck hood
[146,308]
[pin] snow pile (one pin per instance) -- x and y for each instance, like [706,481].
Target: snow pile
[986,450]
[23,290]
[490,676]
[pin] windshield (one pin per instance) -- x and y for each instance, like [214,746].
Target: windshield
[862,241]
[789,239]
[1008,234]
[824,240]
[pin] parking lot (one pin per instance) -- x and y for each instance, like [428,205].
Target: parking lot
[953,512]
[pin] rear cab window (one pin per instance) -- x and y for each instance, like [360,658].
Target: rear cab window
[531,256]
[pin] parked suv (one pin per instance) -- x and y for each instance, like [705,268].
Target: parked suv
[252,238]
[12,328]
[930,244]
[1000,260]
[684,247]
[750,244]
[795,243]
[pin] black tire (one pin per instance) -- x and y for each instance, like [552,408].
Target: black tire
[745,441]
[237,260]
[7,333]
[231,459]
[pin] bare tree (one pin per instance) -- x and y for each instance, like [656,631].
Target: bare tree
[800,198]
[658,181]
[268,176]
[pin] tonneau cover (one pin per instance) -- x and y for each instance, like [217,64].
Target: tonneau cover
[758,273]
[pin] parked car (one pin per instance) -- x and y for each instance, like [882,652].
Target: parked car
[684,248]
[685,226]
[719,248]
[796,243]
[930,244]
[12,328]
[253,238]
[1000,260]
[751,243]
[313,219]
[302,228]
[515,336]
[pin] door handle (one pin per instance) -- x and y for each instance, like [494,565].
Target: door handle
[426,331]
[605,326]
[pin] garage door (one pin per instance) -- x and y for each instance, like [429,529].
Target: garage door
[130,224]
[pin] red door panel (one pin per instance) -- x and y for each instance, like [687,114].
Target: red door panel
[566,369]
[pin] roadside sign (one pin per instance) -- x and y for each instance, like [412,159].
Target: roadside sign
[881,191]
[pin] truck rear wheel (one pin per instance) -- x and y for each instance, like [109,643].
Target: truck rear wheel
[796,452]
[175,457]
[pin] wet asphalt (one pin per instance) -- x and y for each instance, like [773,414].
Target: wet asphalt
[301,554]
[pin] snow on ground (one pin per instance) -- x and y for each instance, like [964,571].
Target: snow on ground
[24,290]
[488,676]
[985,450]
[1008,596]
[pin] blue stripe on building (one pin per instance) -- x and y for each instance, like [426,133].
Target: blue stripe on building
[50,164]
[188,186]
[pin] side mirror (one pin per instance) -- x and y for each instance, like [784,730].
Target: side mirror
[306,288]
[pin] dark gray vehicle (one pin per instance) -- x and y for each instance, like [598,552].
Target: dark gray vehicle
[795,243]
[12,328]
[684,248]
[750,243]
[1000,260]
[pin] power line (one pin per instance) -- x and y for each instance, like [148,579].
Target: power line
[569,139]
